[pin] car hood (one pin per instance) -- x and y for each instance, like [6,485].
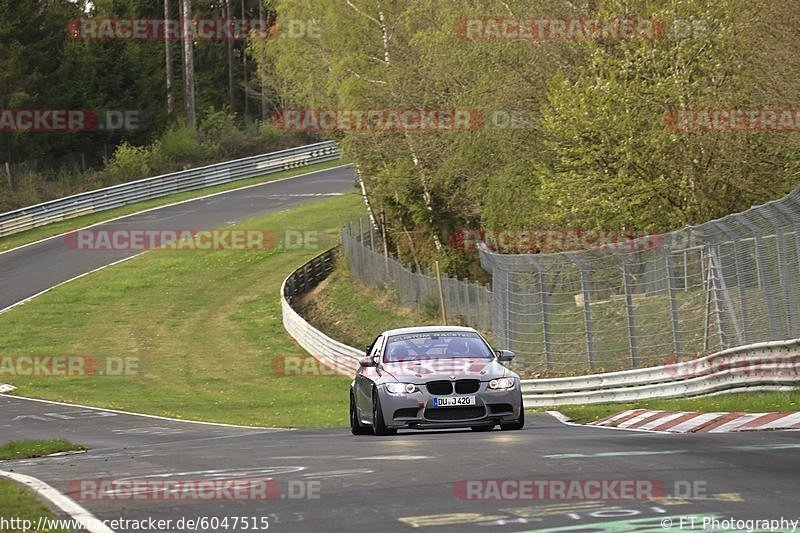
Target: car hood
[446,369]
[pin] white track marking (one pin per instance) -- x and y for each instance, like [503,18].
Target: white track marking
[29,298]
[637,418]
[220,424]
[567,422]
[89,521]
[661,420]
[694,422]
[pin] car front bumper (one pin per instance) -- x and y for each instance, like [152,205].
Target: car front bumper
[416,410]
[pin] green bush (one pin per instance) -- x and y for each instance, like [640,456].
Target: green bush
[268,132]
[129,163]
[219,128]
[180,147]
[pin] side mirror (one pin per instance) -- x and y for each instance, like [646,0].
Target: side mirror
[505,356]
[365,362]
[367,349]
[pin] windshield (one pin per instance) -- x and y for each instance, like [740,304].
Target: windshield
[436,345]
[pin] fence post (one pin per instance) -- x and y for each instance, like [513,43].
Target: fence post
[587,311]
[744,335]
[467,303]
[762,280]
[793,216]
[544,302]
[629,309]
[713,279]
[783,271]
[673,302]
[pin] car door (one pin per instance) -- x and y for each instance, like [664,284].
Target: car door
[365,379]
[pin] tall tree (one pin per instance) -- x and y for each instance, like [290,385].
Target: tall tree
[168,62]
[229,43]
[188,64]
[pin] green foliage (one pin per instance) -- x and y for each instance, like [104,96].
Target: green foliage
[592,148]
[129,162]
[219,128]
[180,145]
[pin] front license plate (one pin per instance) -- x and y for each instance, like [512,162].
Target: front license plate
[453,401]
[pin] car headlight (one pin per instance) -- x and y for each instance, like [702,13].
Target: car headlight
[502,383]
[400,388]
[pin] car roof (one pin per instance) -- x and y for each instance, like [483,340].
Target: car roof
[426,329]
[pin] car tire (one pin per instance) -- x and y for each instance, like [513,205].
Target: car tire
[356,427]
[482,428]
[378,425]
[518,424]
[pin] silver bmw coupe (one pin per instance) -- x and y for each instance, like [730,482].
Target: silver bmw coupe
[434,377]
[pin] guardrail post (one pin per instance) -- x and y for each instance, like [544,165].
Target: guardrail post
[544,306]
[587,311]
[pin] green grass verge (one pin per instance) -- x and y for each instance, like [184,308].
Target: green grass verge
[24,449]
[349,312]
[56,228]
[18,502]
[205,326]
[745,402]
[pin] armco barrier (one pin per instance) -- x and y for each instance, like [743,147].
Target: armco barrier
[158,186]
[325,349]
[765,365]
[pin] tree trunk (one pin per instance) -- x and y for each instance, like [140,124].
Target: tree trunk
[168,63]
[365,196]
[426,193]
[244,73]
[231,97]
[188,64]
[264,102]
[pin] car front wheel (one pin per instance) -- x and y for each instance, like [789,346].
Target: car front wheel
[518,424]
[378,425]
[356,427]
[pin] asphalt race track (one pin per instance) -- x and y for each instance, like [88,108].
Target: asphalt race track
[329,480]
[32,269]
[399,482]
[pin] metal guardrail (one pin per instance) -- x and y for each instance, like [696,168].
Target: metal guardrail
[328,351]
[774,364]
[763,365]
[166,184]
